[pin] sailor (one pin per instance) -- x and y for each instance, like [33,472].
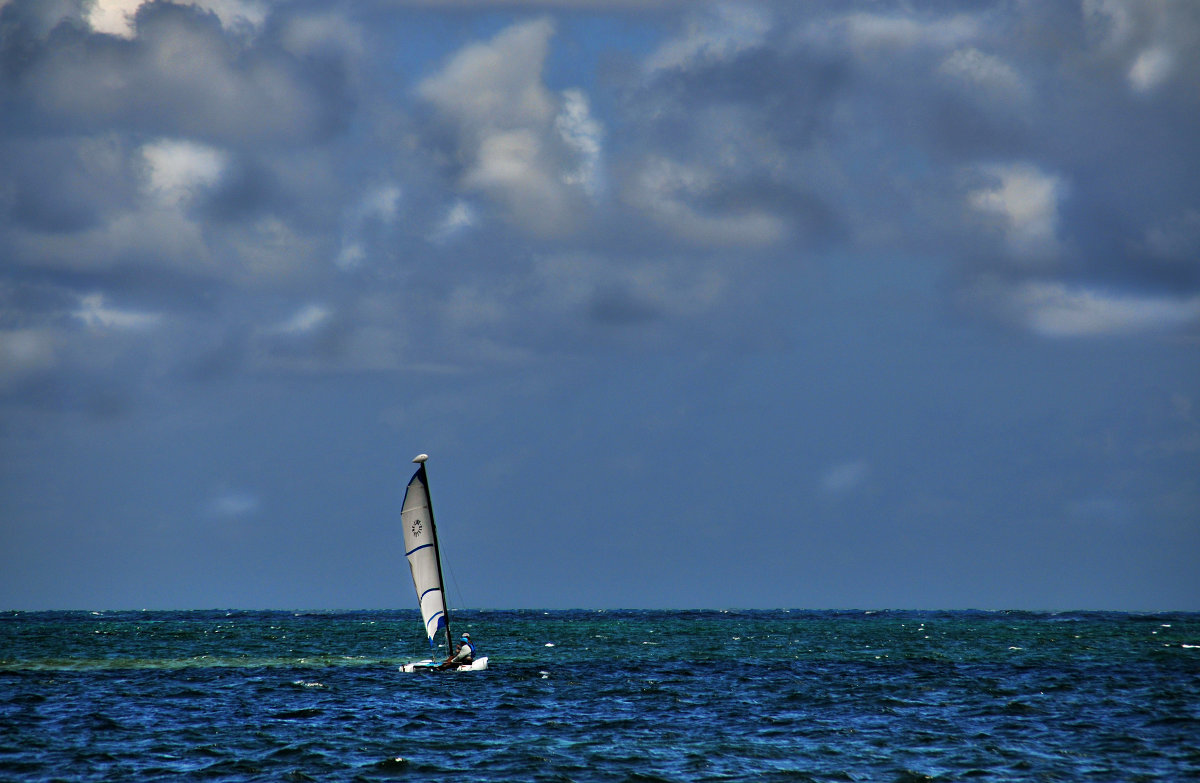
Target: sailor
[465,655]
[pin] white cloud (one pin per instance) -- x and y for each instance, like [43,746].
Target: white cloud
[459,218]
[1057,310]
[523,150]
[497,84]
[116,17]
[233,504]
[722,33]
[305,320]
[381,202]
[97,315]
[512,167]
[378,207]
[868,34]
[509,160]
[1026,201]
[845,476]
[1144,38]
[350,256]
[1151,67]
[978,70]
[178,168]
[583,134]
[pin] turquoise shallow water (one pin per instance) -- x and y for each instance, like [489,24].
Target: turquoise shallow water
[602,696]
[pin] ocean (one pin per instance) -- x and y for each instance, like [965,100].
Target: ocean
[891,696]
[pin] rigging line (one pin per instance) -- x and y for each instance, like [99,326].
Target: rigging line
[461,603]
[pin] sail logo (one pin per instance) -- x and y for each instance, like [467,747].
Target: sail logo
[417,528]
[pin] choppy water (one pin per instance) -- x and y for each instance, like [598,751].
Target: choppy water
[602,696]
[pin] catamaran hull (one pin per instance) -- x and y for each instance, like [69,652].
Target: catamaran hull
[432,666]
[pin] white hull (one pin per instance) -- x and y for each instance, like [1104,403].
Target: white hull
[409,668]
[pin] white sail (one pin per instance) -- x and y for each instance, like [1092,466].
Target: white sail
[421,548]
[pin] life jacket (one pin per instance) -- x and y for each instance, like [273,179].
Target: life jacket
[470,647]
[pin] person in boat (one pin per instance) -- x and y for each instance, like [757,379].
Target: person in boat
[464,656]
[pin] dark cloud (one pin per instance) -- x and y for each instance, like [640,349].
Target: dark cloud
[618,305]
[247,190]
[226,177]
[788,93]
[61,185]
[182,74]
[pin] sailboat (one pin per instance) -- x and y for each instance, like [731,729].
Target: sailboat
[424,559]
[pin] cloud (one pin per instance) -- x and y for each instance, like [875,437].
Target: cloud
[24,353]
[1150,69]
[114,17]
[97,314]
[1056,309]
[459,218]
[544,5]
[571,301]
[60,185]
[324,33]
[1150,43]
[116,205]
[845,477]
[1176,238]
[719,33]
[496,85]
[731,118]
[313,338]
[871,34]
[305,320]
[368,223]
[1026,200]
[530,151]
[219,161]
[980,71]
[622,293]
[178,168]
[673,194]
[181,76]
[233,504]
[583,135]
[117,17]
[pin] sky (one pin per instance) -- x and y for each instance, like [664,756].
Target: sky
[693,305]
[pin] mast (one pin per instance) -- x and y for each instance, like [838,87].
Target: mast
[420,460]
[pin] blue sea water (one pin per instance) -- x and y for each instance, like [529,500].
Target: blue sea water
[602,696]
